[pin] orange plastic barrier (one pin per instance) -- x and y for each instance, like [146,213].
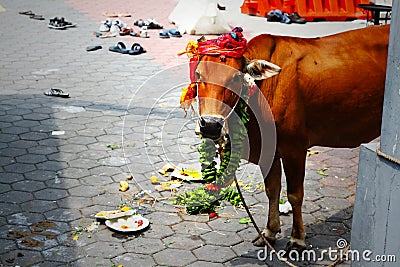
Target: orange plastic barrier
[311,10]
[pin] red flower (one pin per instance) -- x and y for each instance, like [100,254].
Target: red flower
[212,215]
[212,187]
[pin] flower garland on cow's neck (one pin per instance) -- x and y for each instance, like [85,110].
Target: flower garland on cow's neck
[229,148]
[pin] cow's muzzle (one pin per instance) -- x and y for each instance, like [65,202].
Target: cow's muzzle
[211,127]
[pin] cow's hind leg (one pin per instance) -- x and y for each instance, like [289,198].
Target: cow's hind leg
[272,188]
[294,166]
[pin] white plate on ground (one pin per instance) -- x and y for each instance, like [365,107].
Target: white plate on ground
[128,224]
[113,214]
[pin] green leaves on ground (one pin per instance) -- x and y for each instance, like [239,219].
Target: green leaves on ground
[322,172]
[203,201]
[244,220]
[112,146]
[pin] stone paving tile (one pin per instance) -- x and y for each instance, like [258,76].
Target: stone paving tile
[129,259]
[221,238]
[61,254]
[159,231]
[214,253]
[144,245]
[174,257]
[107,250]
[164,218]
[22,258]
[205,264]
[40,206]
[179,241]
[93,261]
[192,228]
[62,215]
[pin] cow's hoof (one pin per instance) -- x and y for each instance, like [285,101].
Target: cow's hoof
[259,242]
[294,246]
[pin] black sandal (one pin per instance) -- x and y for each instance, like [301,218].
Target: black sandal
[28,13]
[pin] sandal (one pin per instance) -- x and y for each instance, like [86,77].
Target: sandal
[125,31]
[119,48]
[37,17]
[175,33]
[67,24]
[143,32]
[93,48]
[150,23]
[164,34]
[105,26]
[60,24]
[28,13]
[116,15]
[106,35]
[136,49]
[56,92]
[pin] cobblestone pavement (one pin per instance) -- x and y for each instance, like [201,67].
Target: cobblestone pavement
[61,159]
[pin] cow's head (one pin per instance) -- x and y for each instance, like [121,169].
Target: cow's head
[221,75]
[220,83]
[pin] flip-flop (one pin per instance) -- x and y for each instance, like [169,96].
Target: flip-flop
[93,48]
[56,92]
[125,15]
[164,34]
[110,15]
[134,34]
[36,17]
[125,31]
[175,33]
[28,13]
[119,48]
[107,35]
[116,15]
[136,49]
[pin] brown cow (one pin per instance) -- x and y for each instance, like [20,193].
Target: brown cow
[329,92]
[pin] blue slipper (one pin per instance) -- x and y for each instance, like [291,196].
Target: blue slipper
[119,48]
[175,33]
[164,34]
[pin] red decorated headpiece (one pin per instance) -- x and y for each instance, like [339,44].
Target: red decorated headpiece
[231,44]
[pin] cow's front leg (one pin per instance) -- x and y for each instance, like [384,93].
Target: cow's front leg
[294,166]
[272,182]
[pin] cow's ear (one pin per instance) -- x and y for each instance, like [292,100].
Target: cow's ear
[262,69]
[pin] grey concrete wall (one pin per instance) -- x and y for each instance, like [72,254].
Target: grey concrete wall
[376,215]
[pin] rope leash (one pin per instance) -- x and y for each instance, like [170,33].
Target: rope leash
[257,228]
[260,234]
[386,156]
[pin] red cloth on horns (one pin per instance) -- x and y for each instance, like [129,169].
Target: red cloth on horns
[231,44]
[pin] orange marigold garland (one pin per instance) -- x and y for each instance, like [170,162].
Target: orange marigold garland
[188,96]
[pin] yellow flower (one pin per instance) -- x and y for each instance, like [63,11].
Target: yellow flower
[125,208]
[154,179]
[124,186]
